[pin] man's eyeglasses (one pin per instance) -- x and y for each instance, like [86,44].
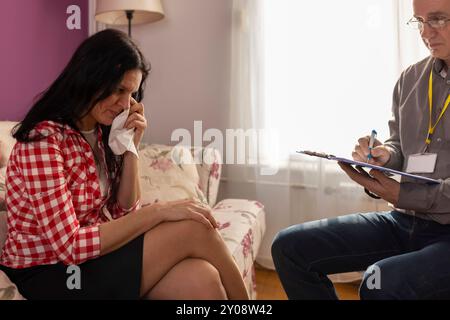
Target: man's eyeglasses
[433,23]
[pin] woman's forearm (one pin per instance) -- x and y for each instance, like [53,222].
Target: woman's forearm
[129,190]
[116,233]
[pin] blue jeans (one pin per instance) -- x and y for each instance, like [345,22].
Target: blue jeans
[412,256]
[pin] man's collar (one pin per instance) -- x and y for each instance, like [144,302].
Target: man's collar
[439,67]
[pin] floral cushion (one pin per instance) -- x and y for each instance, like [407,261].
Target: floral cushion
[168,174]
[8,290]
[209,170]
[6,144]
[242,226]
[3,230]
[6,141]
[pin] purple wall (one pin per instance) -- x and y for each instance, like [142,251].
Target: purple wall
[35,47]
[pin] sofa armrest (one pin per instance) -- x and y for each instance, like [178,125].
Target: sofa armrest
[242,225]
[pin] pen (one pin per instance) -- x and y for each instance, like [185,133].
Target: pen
[373,136]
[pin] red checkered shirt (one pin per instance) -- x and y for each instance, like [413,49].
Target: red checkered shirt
[54,201]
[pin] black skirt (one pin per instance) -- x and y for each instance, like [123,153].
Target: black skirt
[116,275]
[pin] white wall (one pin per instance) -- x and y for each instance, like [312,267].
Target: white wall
[190,55]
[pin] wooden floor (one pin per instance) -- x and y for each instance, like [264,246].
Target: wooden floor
[268,287]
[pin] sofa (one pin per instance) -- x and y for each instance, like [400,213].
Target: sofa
[168,173]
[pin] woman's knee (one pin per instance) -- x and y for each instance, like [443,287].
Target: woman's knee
[190,279]
[197,279]
[199,237]
[208,283]
[190,235]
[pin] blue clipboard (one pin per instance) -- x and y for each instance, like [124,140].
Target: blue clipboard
[368,165]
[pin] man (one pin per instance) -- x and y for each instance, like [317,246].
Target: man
[406,252]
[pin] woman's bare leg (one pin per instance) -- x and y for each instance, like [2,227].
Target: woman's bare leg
[191,279]
[169,243]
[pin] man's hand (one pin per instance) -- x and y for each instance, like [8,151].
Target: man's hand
[376,182]
[380,154]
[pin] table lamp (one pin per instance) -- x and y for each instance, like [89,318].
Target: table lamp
[123,12]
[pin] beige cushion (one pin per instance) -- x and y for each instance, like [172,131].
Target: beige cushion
[6,141]
[8,290]
[2,188]
[209,170]
[6,144]
[3,229]
[163,179]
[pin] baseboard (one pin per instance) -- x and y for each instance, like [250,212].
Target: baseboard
[265,262]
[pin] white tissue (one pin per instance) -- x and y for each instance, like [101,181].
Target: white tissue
[120,138]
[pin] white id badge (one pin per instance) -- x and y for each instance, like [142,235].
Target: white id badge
[421,163]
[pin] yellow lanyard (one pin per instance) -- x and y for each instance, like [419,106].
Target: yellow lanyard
[430,99]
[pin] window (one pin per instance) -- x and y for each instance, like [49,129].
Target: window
[330,68]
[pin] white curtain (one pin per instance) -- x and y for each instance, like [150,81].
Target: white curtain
[319,74]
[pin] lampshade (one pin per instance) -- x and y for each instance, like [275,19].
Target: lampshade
[114,11]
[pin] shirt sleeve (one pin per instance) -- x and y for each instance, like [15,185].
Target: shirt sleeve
[393,143]
[118,211]
[45,181]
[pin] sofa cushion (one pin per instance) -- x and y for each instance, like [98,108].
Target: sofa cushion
[3,230]
[6,141]
[2,188]
[168,174]
[209,167]
[8,290]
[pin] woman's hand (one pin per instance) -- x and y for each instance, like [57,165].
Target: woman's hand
[136,119]
[186,210]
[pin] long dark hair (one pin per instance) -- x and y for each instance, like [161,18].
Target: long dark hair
[93,73]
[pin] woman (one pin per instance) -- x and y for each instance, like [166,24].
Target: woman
[71,201]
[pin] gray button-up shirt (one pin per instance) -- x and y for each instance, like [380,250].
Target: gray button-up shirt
[409,128]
